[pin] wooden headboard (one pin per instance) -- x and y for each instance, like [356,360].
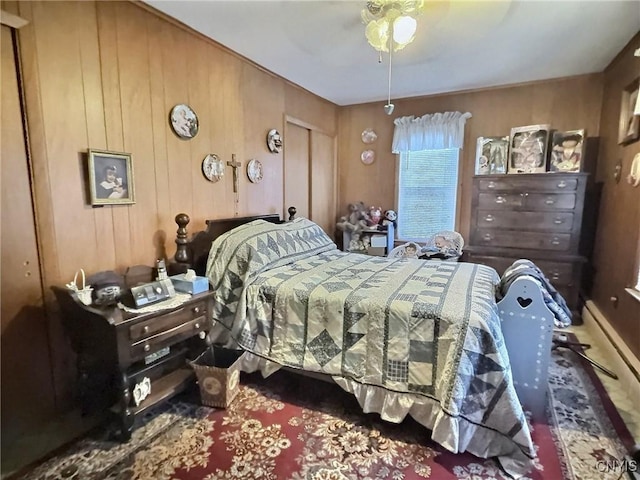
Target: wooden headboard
[194,253]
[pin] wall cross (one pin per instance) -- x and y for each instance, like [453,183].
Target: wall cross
[235,165]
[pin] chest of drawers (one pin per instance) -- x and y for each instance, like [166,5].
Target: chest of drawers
[117,350]
[534,216]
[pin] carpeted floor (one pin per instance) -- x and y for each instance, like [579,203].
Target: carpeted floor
[293,427]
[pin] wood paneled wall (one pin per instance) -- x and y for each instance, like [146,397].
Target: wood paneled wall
[105,75]
[617,248]
[566,104]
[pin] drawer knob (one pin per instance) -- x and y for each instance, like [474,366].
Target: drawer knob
[555,275]
[197,325]
[202,335]
[196,310]
[500,199]
[524,194]
[491,185]
[549,201]
[558,221]
[562,184]
[555,241]
[487,237]
[145,329]
[147,347]
[489,218]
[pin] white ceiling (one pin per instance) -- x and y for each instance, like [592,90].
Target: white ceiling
[459,45]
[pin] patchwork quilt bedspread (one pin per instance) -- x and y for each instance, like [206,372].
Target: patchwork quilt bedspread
[426,330]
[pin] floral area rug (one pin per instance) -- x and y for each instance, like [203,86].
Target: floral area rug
[292,427]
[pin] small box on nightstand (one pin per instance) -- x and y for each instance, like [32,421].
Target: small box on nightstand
[192,286]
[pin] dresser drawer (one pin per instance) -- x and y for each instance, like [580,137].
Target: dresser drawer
[555,221]
[521,239]
[168,337]
[533,201]
[528,183]
[155,325]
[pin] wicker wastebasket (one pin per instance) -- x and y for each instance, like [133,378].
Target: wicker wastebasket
[218,374]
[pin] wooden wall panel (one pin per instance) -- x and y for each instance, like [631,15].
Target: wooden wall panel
[105,75]
[618,236]
[494,112]
[263,98]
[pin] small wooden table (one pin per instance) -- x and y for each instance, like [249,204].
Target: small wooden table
[117,349]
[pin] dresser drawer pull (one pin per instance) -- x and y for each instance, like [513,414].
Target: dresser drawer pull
[145,329]
[491,185]
[558,221]
[562,184]
[489,218]
[524,194]
[555,275]
[147,347]
[197,325]
[500,199]
[549,201]
[555,241]
[196,309]
[487,237]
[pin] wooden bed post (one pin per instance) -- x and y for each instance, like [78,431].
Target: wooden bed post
[292,213]
[182,253]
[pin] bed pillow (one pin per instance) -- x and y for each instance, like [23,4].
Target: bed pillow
[240,254]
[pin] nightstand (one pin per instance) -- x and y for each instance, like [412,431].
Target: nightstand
[118,350]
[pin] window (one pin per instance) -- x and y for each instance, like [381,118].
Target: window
[427,193]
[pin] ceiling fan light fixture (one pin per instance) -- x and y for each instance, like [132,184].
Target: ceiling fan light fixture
[404,30]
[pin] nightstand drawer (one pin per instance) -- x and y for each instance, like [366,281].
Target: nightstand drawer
[155,325]
[168,337]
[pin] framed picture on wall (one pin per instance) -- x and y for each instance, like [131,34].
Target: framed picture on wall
[491,155]
[110,178]
[528,149]
[567,151]
[629,130]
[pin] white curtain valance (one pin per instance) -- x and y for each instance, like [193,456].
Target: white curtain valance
[433,131]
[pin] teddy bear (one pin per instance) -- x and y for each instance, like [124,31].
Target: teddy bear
[356,220]
[390,218]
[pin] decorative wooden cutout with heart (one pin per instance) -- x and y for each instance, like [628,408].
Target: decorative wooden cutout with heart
[524,302]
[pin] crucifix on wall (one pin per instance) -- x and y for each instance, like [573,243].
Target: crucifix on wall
[235,165]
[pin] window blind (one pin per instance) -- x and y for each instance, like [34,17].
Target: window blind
[427,193]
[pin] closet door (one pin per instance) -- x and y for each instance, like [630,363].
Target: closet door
[296,169]
[27,387]
[323,176]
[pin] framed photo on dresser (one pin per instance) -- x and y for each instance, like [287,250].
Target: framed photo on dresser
[528,149]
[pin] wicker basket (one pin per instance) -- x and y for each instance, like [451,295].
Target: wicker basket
[218,373]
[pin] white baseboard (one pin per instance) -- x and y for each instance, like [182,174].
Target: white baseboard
[626,364]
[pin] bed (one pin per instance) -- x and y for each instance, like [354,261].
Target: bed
[404,336]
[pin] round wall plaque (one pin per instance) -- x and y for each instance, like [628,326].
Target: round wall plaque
[212,167]
[369,136]
[184,121]
[367,157]
[254,170]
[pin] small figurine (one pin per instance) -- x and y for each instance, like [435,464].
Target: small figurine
[375,215]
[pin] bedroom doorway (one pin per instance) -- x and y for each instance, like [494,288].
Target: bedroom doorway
[310,173]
